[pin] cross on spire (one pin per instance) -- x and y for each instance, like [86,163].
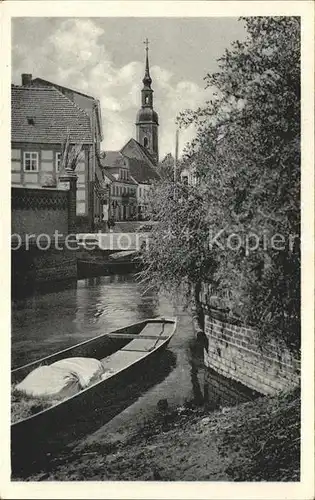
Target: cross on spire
[146,43]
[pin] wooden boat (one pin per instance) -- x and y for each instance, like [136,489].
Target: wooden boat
[124,353]
[124,256]
[123,264]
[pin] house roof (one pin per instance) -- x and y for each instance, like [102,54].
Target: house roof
[133,143]
[109,175]
[145,151]
[141,172]
[113,159]
[40,82]
[44,115]
[37,82]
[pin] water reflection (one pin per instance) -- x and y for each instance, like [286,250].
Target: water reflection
[55,319]
[46,322]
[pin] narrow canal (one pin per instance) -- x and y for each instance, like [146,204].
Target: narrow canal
[47,322]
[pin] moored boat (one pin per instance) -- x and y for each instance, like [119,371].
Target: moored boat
[124,353]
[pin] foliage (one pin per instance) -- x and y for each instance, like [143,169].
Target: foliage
[70,154]
[268,435]
[177,254]
[24,406]
[166,167]
[247,157]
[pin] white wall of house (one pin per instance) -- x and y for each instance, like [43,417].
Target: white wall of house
[37,166]
[82,191]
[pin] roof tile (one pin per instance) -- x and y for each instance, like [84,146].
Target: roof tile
[53,114]
[113,159]
[142,172]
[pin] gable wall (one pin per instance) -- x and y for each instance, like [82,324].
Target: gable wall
[132,150]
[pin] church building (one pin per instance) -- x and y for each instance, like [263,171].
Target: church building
[141,155]
[147,119]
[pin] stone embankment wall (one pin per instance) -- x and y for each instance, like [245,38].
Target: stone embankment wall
[237,352]
[38,213]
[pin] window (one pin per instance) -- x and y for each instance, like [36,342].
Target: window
[147,100]
[185,179]
[30,162]
[145,142]
[58,161]
[124,174]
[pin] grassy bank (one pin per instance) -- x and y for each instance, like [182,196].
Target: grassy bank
[256,441]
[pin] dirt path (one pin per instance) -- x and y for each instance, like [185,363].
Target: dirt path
[253,441]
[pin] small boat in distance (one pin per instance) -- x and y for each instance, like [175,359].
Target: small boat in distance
[124,353]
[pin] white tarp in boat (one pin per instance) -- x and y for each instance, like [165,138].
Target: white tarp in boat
[88,370]
[63,378]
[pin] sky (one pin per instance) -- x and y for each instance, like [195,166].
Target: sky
[104,57]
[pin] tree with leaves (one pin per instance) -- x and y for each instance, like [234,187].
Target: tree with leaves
[165,167]
[246,155]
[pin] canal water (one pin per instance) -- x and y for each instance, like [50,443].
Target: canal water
[47,322]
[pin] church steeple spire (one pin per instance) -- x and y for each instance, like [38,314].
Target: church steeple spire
[147,78]
[147,121]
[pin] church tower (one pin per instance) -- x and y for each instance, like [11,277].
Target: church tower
[147,121]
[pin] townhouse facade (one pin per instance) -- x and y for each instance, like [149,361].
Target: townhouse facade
[122,187]
[144,175]
[42,116]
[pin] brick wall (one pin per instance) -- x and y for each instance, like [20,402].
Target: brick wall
[236,352]
[219,391]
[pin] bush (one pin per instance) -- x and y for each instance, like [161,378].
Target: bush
[246,155]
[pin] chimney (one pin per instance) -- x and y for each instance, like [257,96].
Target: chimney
[26,79]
